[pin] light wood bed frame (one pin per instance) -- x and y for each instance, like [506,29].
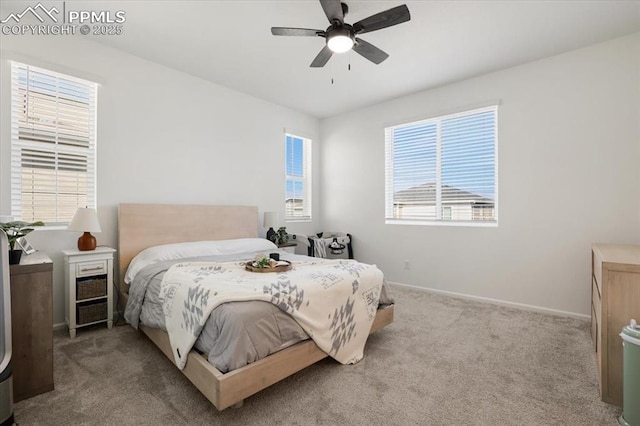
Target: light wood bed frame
[144,225]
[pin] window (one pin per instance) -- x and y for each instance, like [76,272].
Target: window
[442,170]
[298,178]
[53,144]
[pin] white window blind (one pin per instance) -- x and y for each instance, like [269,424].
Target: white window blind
[53,144]
[298,178]
[443,170]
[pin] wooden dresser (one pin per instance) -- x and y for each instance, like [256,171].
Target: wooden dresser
[32,326]
[615,299]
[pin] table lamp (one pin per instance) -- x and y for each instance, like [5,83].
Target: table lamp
[86,221]
[270,221]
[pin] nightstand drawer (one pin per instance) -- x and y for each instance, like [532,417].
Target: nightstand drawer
[86,269]
[91,287]
[88,313]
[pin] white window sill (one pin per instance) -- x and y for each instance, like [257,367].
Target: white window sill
[442,223]
[50,228]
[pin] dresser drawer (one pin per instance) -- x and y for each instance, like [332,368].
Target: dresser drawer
[87,269]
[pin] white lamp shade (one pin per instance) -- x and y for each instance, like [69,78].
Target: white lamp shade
[85,220]
[270,219]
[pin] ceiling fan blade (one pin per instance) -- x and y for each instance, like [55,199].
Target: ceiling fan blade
[322,58]
[388,18]
[333,10]
[369,51]
[283,31]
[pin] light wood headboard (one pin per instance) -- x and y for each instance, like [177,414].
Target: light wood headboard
[145,225]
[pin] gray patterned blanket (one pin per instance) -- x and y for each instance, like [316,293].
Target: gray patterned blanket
[334,301]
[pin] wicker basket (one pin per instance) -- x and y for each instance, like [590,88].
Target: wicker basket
[91,287]
[91,312]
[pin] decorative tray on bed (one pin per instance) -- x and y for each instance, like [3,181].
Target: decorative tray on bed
[278,266]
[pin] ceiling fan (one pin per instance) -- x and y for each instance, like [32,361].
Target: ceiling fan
[341,37]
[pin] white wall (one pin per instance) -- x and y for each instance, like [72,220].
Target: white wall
[163,137]
[569,145]
[569,175]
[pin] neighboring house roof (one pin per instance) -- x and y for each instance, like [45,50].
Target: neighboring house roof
[426,194]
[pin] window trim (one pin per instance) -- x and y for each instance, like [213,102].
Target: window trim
[306,179]
[388,156]
[17,144]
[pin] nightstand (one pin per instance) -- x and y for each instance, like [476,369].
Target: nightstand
[288,247]
[88,288]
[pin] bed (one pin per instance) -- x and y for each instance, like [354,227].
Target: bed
[141,226]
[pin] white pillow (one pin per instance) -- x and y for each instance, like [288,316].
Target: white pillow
[177,251]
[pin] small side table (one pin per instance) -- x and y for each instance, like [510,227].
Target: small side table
[89,287]
[288,247]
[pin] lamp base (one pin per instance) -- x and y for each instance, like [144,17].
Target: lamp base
[271,235]
[86,242]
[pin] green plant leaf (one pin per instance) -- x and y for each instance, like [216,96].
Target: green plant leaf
[18,229]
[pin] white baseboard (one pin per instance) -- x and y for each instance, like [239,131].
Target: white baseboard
[59,326]
[499,302]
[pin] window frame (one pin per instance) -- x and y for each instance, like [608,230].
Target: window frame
[305,179]
[63,157]
[439,207]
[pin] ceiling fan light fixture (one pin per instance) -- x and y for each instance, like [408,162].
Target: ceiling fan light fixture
[341,37]
[340,41]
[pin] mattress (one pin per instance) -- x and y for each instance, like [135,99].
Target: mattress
[236,333]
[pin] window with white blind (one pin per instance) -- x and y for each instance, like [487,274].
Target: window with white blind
[443,170]
[53,144]
[298,178]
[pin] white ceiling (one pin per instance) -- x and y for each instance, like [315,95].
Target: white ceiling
[229,43]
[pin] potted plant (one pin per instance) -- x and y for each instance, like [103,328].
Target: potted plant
[281,236]
[15,230]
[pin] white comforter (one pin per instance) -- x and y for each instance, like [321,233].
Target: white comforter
[334,301]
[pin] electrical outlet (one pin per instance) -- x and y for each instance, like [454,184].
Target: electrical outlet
[407,264]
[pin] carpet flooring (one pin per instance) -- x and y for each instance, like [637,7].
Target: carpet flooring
[444,361]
